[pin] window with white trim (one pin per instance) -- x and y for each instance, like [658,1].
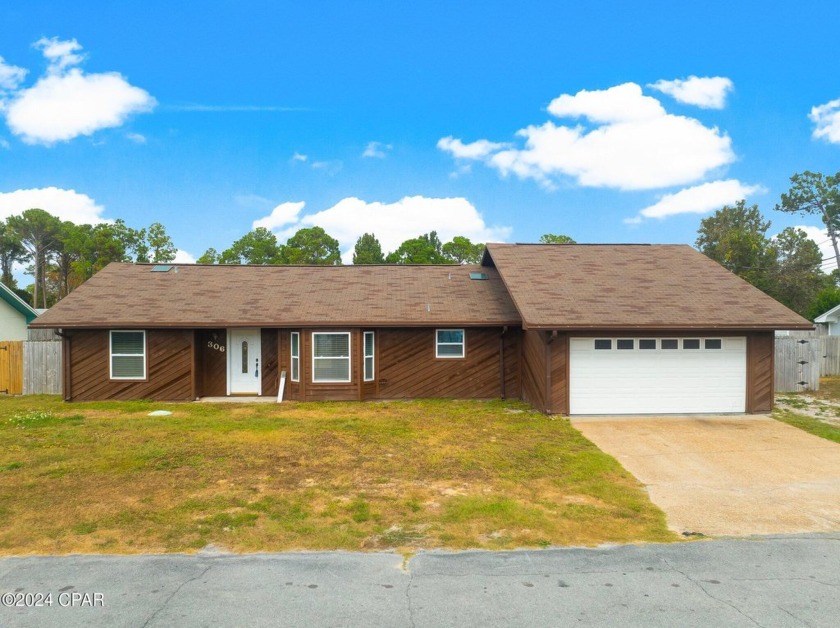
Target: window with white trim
[294,342]
[449,343]
[128,354]
[331,357]
[369,361]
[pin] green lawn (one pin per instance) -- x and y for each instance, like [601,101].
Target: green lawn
[817,412]
[106,477]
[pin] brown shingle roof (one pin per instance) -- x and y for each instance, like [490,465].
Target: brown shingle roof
[128,295]
[632,286]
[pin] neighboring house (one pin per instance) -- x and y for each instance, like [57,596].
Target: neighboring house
[831,320]
[15,315]
[580,329]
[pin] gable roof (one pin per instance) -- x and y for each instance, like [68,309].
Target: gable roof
[829,317]
[133,296]
[607,286]
[17,303]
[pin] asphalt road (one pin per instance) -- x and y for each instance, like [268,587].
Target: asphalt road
[762,581]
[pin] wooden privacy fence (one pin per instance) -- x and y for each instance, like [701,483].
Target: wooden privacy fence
[11,367]
[830,364]
[41,368]
[798,363]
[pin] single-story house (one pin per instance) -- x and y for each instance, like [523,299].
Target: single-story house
[572,329]
[15,315]
[831,321]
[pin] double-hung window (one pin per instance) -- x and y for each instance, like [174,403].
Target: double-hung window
[369,374]
[331,357]
[449,343]
[128,354]
[295,355]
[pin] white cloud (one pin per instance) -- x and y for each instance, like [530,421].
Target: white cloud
[474,150]
[393,223]
[299,157]
[708,92]
[60,54]
[376,150]
[827,120]
[64,204]
[137,138]
[622,103]
[283,214]
[699,199]
[183,257]
[634,145]
[66,103]
[10,76]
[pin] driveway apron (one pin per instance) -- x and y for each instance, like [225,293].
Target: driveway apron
[727,475]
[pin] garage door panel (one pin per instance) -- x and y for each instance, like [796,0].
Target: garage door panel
[637,381]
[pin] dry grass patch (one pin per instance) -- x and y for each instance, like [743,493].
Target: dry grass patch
[106,477]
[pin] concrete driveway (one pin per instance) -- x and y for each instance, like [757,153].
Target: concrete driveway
[727,475]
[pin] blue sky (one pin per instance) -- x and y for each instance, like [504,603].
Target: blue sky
[606,121]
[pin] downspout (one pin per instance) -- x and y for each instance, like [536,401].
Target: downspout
[65,364]
[502,361]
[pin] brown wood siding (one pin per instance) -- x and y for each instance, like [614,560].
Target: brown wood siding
[408,368]
[211,370]
[512,365]
[269,360]
[760,354]
[559,374]
[168,373]
[534,369]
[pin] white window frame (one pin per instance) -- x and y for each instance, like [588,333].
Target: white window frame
[462,344]
[348,357]
[112,355]
[294,358]
[369,377]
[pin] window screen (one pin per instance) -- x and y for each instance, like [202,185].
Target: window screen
[369,356]
[128,355]
[450,343]
[295,355]
[331,357]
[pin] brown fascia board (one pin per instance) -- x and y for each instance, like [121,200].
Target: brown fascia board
[283,324]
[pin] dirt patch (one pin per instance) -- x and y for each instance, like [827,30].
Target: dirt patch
[825,410]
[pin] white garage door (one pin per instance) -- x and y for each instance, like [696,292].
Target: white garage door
[657,375]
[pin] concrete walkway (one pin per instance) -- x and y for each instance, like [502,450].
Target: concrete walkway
[787,581]
[727,475]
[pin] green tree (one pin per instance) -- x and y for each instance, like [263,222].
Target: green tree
[368,250]
[825,299]
[99,245]
[37,231]
[255,247]
[425,249]
[798,275]
[312,245]
[462,251]
[550,238]
[815,194]
[11,252]
[736,237]
[210,256]
[159,245]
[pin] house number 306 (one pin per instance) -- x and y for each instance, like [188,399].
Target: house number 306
[216,346]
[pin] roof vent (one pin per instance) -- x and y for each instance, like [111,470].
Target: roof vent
[478,276]
[161,268]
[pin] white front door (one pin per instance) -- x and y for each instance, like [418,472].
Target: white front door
[244,366]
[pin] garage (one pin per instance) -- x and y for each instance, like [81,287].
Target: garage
[663,375]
